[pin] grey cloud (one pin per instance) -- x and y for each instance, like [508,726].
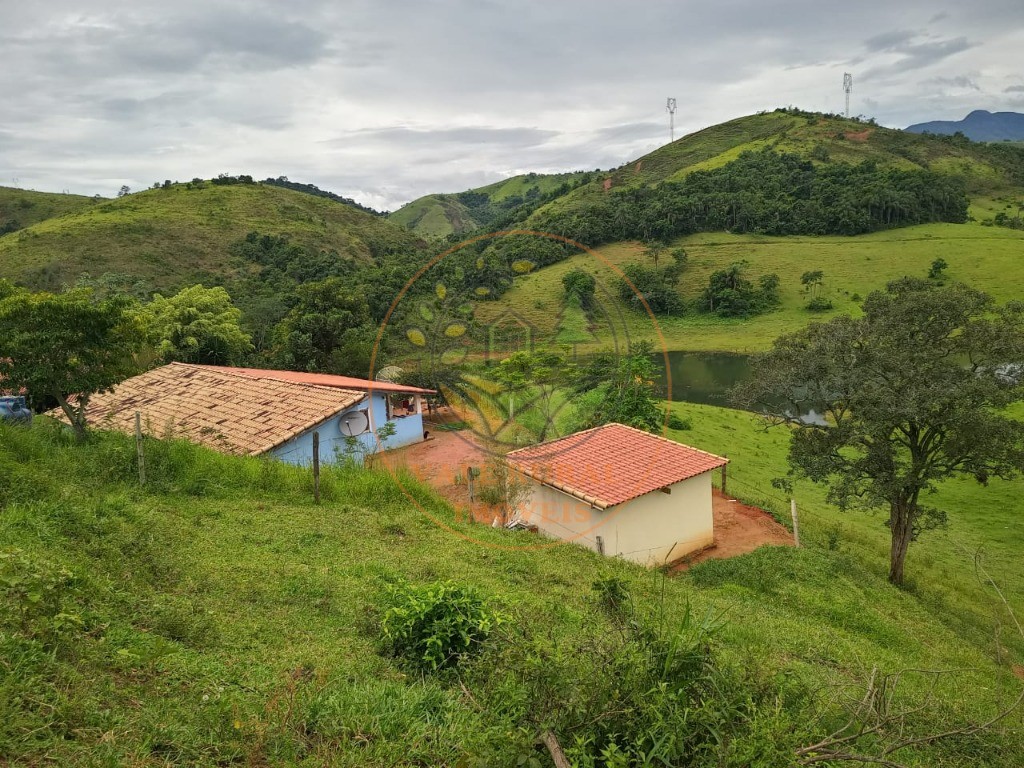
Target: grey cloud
[960,81]
[1014,89]
[420,137]
[888,41]
[387,101]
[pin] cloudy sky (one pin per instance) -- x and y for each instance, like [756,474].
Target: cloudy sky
[386,100]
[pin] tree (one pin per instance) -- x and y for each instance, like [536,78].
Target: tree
[329,329]
[197,325]
[124,190]
[626,392]
[542,373]
[937,268]
[580,283]
[654,249]
[913,393]
[811,281]
[66,346]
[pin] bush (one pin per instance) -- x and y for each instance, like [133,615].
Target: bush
[678,422]
[33,594]
[819,304]
[433,626]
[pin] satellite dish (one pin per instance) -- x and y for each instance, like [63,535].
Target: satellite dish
[354,423]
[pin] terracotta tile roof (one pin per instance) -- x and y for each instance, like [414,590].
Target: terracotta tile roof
[612,464]
[322,379]
[226,411]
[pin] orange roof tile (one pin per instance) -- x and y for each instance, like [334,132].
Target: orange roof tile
[321,379]
[609,465]
[229,412]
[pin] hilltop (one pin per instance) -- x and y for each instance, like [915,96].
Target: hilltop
[442,215]
[184,234]
[979,125]
[20,208]
[823,139]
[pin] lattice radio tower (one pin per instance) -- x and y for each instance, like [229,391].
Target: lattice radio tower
[848,88]
[670,105]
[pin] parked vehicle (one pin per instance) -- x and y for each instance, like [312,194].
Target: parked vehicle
[15,409]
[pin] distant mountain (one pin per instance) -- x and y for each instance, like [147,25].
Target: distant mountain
[980,125]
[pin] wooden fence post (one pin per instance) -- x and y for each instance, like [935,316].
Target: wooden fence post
[796,522]
[316,467]
[138,448]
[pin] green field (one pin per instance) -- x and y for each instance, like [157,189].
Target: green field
[177,236]
[988,258]
[226,619]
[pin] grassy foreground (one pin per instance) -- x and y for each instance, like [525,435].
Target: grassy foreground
[219,617]
[987,258]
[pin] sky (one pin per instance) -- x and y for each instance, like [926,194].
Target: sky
[387,100]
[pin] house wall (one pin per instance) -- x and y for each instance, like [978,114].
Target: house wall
[299,450]
[651,530]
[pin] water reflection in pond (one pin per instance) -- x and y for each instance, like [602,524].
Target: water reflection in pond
[707,377]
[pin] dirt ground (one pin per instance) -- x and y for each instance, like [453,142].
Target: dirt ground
[441,458]
[739,528]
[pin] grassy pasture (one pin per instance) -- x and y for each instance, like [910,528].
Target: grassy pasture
[988,258]
[227,619]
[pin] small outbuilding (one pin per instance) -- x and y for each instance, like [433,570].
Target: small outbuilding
[621,492]
[254,412]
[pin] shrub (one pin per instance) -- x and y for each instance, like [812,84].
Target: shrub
[33,595]
[819,304]
[613,594]
[678,422]
[433,626]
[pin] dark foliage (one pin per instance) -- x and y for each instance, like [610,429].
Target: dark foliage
[771,193]
[313,189]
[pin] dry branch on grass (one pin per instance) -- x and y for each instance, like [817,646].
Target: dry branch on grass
[876,716]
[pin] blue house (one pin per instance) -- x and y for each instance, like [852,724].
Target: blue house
[255,412]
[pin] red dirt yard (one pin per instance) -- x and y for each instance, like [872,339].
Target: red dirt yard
[739,527]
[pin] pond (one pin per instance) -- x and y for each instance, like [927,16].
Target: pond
[707,377]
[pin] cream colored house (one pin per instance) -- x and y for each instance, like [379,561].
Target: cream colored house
[621,492]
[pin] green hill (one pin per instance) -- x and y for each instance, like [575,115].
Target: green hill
[441,215]
[218,616]
[632,198]
[183,234]
[20,208]
[987,171]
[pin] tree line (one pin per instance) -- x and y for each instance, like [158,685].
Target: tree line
[766,192]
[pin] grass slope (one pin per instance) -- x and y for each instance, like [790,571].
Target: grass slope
[440,215]
[22,207]
[987,258]
[229,620]
[177,236]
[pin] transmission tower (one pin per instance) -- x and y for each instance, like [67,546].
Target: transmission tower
[670,105]
[848,88]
